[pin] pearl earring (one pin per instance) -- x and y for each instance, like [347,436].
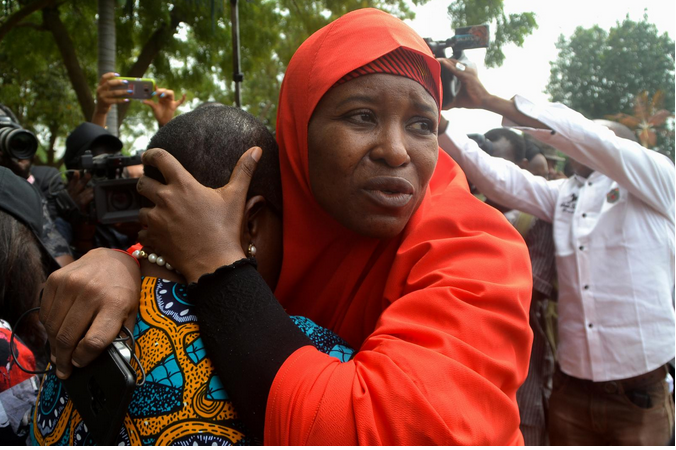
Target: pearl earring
[252,250]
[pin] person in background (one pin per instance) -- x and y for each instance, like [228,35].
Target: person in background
[108,93]
[24,263]
[54,240]
[82,230]
[614,238]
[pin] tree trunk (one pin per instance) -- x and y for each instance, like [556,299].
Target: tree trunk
[52,21]
[107,47]
[53,134]
[150,50]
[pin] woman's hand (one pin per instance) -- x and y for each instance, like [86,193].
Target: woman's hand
[107,95]
[165,107]
[85,304]
[195,228]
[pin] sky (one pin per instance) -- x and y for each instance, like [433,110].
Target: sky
[554,18]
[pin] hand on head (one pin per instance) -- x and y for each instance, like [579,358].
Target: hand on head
[166,105]
[195,228]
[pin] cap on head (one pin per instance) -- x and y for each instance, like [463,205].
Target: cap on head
[85,136]
[22,201]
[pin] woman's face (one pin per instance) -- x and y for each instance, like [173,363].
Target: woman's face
[372,145]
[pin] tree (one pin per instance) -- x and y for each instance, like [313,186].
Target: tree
[512,28]
[184,44]
[649,120]
[599,73]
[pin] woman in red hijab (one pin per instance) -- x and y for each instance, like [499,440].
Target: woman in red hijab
[383,244]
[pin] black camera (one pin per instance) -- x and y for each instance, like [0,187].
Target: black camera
[16,142]
[465,38]
[115,198]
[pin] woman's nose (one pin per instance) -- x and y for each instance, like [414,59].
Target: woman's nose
[391,149]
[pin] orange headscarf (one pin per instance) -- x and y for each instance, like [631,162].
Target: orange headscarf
[439,314]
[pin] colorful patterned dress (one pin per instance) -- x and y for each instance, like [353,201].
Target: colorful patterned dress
[182,401]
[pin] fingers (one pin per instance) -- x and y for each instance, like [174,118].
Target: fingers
[244,170]
[153,191]
[107,76]
[180,102]
[171,169]
[165,95]
[103,331]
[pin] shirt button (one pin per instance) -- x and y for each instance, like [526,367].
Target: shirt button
[590,183]
[586,286]
[581,247]
[591,325]
[584,215]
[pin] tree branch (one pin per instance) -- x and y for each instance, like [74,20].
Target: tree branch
[36,26]
[14,19]
[150,50]
[52,21]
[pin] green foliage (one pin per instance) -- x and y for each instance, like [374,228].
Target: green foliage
[195,58]
[599,73]
[512,28]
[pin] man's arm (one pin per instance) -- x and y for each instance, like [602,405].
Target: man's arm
[500,180]
[646,174]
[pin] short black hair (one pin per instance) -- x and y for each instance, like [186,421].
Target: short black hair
[209,141]
[516,140]
[532,147]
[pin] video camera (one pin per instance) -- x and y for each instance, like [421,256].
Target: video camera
[16,142]
[115,198]
[476,36]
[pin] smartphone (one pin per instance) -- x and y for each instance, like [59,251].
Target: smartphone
[101,392]
[141,88]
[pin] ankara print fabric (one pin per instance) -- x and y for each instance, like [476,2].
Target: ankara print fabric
[182,401]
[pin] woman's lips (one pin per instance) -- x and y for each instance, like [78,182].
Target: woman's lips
[389,192]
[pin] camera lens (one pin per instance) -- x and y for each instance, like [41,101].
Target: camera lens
[120,200]
[18,143]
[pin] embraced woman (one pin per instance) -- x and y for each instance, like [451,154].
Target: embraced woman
[382,243]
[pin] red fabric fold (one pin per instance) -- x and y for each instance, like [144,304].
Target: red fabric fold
[439,314]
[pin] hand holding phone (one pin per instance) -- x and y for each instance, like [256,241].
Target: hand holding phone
[101,392]
[138,88]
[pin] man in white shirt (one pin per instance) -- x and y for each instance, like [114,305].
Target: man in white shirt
[614,238]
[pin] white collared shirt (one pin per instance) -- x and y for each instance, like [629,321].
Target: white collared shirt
[613,234]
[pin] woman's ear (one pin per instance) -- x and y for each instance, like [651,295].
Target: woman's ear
[251,225]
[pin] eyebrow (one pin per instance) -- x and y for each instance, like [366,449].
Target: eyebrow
[357,98]
[372,99]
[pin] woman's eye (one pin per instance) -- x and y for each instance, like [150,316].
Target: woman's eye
[422,126]
[362,117]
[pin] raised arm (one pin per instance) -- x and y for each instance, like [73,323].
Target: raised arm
[646,174]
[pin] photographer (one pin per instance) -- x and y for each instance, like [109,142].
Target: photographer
[108,93]
[84,232]
[613,235]
[17,148]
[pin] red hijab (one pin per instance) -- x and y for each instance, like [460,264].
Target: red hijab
[439,314]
